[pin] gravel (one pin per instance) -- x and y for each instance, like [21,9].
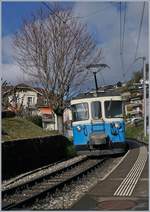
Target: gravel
[68,195]
[39,172]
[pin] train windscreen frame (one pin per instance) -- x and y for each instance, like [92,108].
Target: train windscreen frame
[80,112]
[113,109]
[96,110]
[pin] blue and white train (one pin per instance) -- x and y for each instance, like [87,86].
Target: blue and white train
[98,124]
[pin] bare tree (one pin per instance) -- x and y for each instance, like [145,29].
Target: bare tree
[4,94]
[11,99]
[54,49]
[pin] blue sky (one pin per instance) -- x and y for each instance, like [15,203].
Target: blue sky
[102,19]
[13,13]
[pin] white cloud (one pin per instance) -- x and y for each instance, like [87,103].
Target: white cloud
[102,20]
[107,27]
[7,49]
[13,74]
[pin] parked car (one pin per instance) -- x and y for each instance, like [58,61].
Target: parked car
[136,120]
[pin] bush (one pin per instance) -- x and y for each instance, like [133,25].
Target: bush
[8,114]
[70,149]
[36,120]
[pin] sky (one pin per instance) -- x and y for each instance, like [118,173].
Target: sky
[103,23]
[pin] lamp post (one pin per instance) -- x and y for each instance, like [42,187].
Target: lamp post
[95,66]
[144,92]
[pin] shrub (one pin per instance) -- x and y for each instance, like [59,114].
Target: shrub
[8,114]
[36,120]
[70,149]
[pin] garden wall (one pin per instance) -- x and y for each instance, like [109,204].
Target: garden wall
[20,156]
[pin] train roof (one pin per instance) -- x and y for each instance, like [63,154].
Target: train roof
[98,94]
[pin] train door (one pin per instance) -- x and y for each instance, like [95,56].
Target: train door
[81,123]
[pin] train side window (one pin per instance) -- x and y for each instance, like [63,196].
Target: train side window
[96,110]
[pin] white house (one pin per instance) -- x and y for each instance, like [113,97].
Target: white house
[23,96]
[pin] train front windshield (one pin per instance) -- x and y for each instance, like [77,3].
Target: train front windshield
[113,109]
[80,112]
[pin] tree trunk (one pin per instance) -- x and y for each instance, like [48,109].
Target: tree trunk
[60,125]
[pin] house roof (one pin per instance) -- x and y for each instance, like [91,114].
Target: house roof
[22,86]
[99,94]
[46,110]
[28,87]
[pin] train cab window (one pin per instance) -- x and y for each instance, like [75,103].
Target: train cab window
[80,112]
[113,109]
[96,110]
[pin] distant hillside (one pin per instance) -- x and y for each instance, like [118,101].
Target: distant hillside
[16,128]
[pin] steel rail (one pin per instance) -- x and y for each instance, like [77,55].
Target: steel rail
[27,193]
[38,179]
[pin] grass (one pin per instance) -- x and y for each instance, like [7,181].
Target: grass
[136,132]
[19,128]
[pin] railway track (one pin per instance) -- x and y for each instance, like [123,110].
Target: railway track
[25,194]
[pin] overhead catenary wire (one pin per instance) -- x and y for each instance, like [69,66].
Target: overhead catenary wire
[53,12]
[120,26]
[123,40]
[122,32]
[138,40]
[139,33]
[75,35]
[93,13]
[124,23]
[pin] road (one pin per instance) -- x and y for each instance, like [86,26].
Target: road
[125,187]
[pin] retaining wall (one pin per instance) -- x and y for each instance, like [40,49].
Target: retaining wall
[19,156]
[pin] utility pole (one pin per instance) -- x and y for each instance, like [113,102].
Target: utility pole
[144,92]
[144,95]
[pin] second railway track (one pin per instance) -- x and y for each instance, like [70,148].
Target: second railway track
[25,194]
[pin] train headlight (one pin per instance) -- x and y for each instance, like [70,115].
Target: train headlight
[79,128]
[117,125]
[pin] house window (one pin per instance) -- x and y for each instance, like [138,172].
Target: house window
[45,101]
[30,100]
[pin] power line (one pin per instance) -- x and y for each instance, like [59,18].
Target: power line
[53,12]
[93,13]
[122,39]
[138,39]
[140,28]
[120,27]
[124,23]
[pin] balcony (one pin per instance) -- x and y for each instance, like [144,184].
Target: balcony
[48,118]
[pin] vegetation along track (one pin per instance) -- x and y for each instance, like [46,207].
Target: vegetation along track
[25,194]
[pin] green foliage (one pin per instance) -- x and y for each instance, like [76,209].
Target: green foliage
[58,111]
[119,84]
[17,128]
[36,120]
[137,75]
[70,149]
[136,132]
